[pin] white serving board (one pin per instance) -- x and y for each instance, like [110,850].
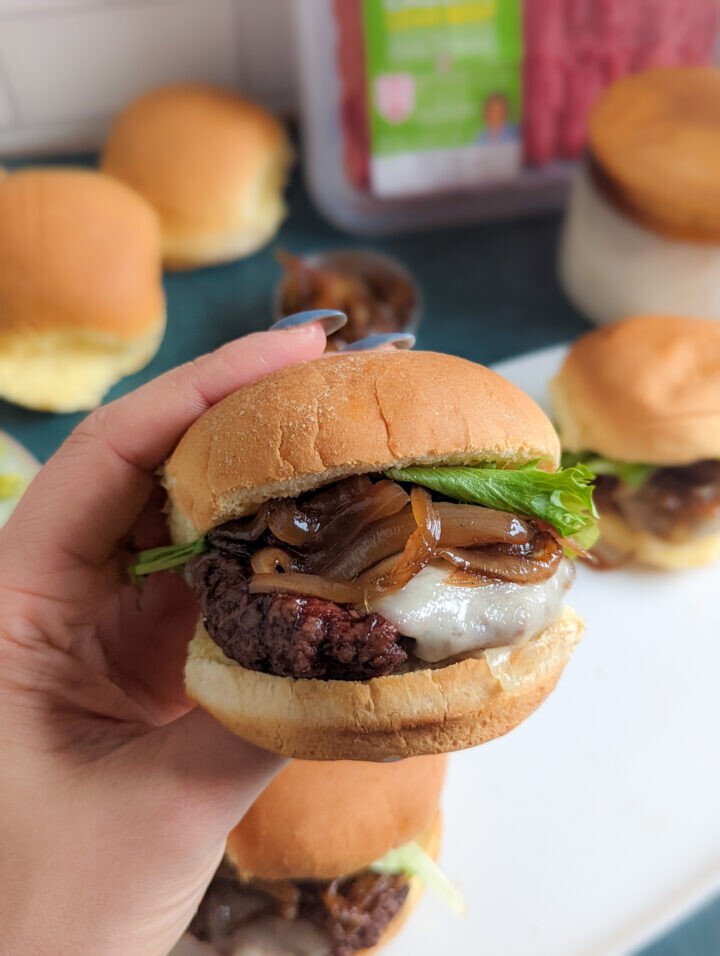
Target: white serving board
[596,824]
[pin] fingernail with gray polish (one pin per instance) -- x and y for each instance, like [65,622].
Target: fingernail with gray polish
[401,340]
[329,319]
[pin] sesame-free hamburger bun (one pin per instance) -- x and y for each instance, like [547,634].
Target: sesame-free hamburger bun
[81,298]
[349,414]
[320,820]
[212,164]
[315,824]
[647,391]
[642,229]
[308,426]
[654,138]
[643,390]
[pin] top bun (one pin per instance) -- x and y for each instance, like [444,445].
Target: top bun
[655,140]
[212,164]
[643,390]
[81,298]
[346,414]
[322,820]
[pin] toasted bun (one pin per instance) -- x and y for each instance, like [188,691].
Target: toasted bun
[321,820]
[645,548]
[428,711]
[81,299]
[212,164]
[655,137]
[347,414]
[643,390]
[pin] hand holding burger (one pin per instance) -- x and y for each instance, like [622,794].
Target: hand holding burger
[378,543]
[117,795]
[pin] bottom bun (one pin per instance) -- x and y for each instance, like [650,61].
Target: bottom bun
[70,371]
[648,549]
[427,711]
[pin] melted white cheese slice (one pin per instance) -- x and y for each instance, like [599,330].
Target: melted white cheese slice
[270,936]
[447,620]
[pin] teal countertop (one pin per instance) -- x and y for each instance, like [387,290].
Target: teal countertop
[490,293]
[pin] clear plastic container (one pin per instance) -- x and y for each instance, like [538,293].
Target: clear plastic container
[541,62]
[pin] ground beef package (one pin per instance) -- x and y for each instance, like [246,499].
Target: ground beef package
[421,113]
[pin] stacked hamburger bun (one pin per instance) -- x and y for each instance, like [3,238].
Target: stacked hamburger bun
[309,426]
[642,230]
[321,832]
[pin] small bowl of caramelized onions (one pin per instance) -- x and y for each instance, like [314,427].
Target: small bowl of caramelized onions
[375,291]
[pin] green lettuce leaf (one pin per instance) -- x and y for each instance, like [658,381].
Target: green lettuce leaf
[630,473]
[11,486]
[167,557]
[412,860]
[562,498]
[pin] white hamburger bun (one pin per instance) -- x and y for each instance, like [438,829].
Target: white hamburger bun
[313,424]
[644,390]
[347,414]
[318,821]
[81,298]
[212,164]
[425,711]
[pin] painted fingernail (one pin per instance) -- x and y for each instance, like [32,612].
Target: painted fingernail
[401,340]
[329,319]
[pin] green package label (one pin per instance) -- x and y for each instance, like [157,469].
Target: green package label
[444,87]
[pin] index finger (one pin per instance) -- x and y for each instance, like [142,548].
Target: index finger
[90,493]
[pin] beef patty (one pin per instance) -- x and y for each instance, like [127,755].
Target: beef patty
[674,503]
[353,912]
[290,635]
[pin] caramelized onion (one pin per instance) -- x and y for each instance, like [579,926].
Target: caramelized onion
[472,526]
[268,560]
[328,500]
[377,536]
[226,536]
[378,541]
[421,546]
[309,585]
[521,565]
[460,526]
[291,525]
[386,500]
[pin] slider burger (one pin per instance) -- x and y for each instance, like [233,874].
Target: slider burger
[379,546]
[639,404]
[329,861]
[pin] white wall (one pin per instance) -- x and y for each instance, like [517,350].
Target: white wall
[66,66]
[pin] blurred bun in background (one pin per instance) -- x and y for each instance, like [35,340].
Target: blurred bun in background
[213,165]
[321,818]
[81,298]
[642,230]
